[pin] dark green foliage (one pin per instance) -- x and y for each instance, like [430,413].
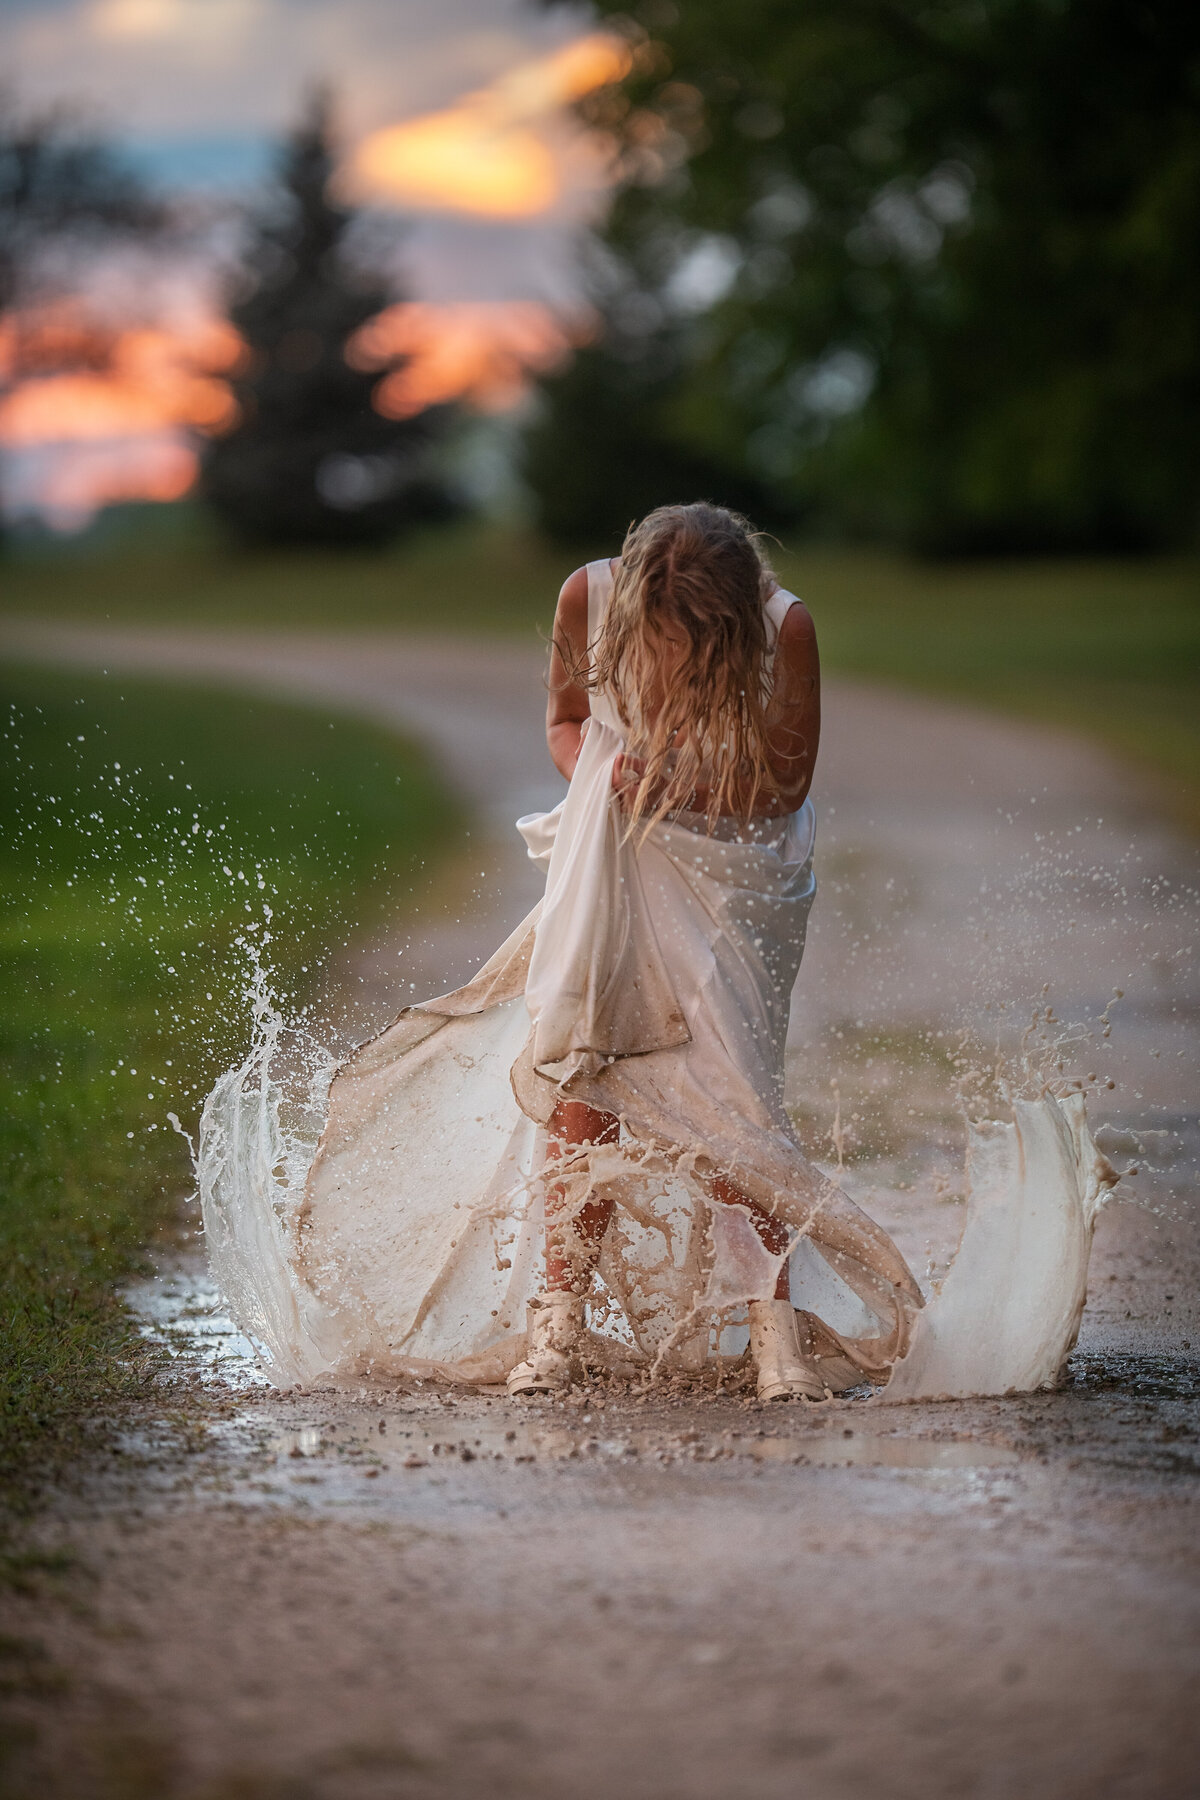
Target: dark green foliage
[123,998]
[606,447]
[60,187]
[310,459]
[964,244]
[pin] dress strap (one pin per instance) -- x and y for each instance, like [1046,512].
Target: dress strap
[777,609]
[600,587]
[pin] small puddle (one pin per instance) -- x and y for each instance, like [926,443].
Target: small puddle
[1139,1377]
[400,1440]
[863,1449]
[181,1309]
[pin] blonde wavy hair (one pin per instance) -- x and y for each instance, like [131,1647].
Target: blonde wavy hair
[683,654]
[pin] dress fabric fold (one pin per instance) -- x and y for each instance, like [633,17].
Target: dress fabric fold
[653,981]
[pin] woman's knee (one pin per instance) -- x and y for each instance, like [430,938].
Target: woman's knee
[575,1122]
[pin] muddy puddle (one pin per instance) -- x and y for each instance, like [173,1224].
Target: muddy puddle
[401,1440]
[180,1310]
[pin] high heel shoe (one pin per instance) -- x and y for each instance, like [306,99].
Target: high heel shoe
[784,1372]
[555,1325]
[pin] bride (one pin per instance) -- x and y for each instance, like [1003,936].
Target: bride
[582,1159]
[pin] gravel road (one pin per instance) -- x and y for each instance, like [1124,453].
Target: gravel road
[326,1595]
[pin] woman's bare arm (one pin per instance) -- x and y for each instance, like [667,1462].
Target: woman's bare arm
[795,714]
[567,708]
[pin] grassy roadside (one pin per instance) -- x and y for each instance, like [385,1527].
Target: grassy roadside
[147,832]
[471,577]
[1111,648]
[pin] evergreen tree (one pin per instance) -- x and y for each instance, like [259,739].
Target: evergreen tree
[309,458]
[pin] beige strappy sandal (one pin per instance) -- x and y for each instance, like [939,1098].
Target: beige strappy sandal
[555,1325]
[784,1372]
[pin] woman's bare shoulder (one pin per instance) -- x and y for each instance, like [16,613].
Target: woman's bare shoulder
[797,620]
[573,599]
[797,634]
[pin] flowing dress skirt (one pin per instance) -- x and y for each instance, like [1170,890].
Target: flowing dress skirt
[653,981]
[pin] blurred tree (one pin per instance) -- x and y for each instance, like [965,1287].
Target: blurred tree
[310,458]
[606,445]
[65,197]
[929,268]
[63,191]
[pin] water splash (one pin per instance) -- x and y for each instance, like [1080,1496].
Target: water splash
[1004,1318]
[1007,1311]
[1007,1314]
[256,1143]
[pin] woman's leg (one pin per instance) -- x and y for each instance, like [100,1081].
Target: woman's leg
[572,1245]
[573,1241]
[784,1370]
[773,1232]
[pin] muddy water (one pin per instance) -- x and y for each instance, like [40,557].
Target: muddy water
[411,1445]
[181,1310]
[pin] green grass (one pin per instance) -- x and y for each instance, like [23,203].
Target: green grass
[463,578]
[1107,647]
[147,830]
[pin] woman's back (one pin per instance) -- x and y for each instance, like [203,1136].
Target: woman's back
[708,673]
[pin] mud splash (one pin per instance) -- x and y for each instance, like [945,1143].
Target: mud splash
[258,1132]
[1003,1319]
[1006,1315]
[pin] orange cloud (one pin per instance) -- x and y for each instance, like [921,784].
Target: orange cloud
[70,488]
[148,377]
[141,379]
[104,416]
[486,154]
[480,352]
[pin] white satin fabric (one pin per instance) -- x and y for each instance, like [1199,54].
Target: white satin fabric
[653,981]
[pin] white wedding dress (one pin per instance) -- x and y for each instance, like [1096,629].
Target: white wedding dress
[652,981]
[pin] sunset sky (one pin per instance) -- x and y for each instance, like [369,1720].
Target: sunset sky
[454,112]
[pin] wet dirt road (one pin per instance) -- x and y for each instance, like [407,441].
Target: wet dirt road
[339,1595]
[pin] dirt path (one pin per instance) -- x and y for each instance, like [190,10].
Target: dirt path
[335,1596]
